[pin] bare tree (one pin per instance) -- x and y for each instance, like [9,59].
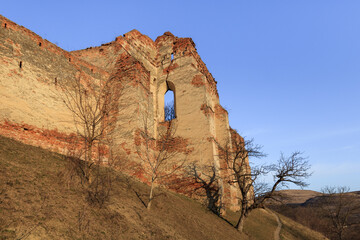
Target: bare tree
[160,155]
[339,206]
[206,181]
[236,159]
[169,111]
[94,108]
[292,169]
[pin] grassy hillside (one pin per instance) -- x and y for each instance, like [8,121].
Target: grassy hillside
[36,204]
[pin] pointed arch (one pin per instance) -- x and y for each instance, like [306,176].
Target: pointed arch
[167,101]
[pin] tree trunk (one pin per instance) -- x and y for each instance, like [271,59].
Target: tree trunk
[240,224]
[88,162]
[340,237]
[243,213]
[151,195]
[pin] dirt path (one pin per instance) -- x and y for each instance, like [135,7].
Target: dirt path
[278,229]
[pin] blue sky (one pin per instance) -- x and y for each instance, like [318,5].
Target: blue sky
[288,72]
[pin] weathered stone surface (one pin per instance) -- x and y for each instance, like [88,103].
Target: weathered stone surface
[32,111]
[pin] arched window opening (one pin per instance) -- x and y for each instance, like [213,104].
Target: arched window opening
[5,25]
[172,56]
[20,64]
[169,105]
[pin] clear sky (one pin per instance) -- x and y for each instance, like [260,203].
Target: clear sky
[288,72]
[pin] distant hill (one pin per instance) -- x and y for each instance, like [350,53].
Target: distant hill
[36,204]
[316,201]
[293,196]
[307,207]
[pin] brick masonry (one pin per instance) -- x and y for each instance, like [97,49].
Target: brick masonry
[31,110]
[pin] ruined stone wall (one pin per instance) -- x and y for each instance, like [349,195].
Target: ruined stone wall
[136,101]
[199,113]
[30,69]
[32,111]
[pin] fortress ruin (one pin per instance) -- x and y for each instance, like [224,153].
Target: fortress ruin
[31,111]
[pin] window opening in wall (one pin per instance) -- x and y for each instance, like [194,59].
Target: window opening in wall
[39,44]
[69,59]
[5,25]
[169,105]
[20,64]
[172,56]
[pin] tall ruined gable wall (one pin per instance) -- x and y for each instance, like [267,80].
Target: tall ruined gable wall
[201,119]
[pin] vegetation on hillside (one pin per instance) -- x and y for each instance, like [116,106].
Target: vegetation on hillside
[252,194]
[36,204]
[335,213]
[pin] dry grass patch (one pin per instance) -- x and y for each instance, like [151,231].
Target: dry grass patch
[36,204]
[294,230]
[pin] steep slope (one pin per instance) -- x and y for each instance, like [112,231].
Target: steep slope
[36,204]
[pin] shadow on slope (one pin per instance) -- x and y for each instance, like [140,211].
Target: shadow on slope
[35,204]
